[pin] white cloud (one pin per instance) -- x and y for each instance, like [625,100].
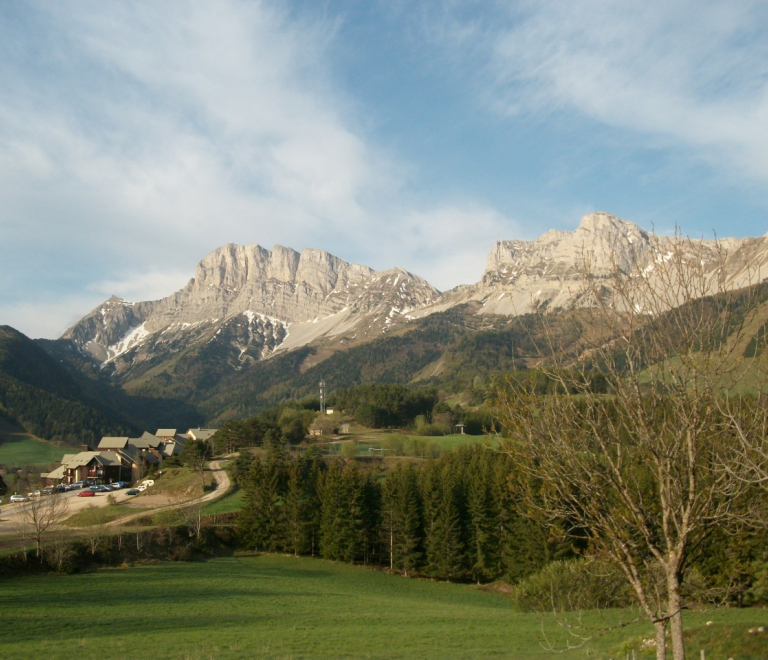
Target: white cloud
[451,243]
[49,316]
[690,73]
[138,286]
[158,132]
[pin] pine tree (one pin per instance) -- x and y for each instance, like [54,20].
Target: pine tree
[342,528]
[402,511]
[482,518]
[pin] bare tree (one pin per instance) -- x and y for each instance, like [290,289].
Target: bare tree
[192,518]
[60,550]
[42,513]
[649,469]
[189,514]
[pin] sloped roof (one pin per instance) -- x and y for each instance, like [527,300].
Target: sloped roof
[109,458]
[151,439]
[113,443]
[59,473]
[169,448]
[143,443]
[201,434]
[165,433]
[136,454]
[83,458]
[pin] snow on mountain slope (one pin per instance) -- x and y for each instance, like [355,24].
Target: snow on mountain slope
[253,302]
[522,276]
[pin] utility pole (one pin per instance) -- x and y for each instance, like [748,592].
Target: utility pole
[322,396]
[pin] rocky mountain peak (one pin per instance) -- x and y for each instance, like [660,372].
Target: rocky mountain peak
[253,302]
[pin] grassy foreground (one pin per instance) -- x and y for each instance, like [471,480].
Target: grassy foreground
[282,607]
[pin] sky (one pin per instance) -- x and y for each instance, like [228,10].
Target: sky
[137,137]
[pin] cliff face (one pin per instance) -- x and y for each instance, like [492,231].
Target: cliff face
[249,302]
[522,276]
[251,299]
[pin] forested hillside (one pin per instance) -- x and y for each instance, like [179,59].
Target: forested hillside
[44,399]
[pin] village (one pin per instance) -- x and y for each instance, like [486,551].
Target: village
[122,459]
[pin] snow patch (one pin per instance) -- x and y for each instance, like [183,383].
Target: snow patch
[132,338]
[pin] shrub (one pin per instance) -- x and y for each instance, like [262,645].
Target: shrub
[566,586]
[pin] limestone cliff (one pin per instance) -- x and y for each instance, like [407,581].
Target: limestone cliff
[251,302]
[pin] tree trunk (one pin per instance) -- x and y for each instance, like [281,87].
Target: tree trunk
[675,616]
[661,640]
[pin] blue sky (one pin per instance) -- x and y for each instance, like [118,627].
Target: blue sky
[136,137]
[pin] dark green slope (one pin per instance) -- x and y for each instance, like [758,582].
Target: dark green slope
[45,399]
[462,344]
[197,384]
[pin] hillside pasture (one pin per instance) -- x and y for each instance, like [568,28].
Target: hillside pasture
[285,607]
[393,443]
[20,449]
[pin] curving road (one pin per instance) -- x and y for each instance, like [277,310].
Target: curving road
[11,515]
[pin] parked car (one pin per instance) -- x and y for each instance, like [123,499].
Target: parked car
[133,491]
[86,493]
[19,498]
[48,490]
[34,493]
[142,488]
[148,482]
[69,487]
[101,488]
[118,485]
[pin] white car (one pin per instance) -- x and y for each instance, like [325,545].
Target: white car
[148,482]
[19,498]
[142,488]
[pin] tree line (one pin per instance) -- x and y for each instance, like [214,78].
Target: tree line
[449,518]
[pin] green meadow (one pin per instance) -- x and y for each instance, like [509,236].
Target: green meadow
[229,503]
[284,607]
[17,450]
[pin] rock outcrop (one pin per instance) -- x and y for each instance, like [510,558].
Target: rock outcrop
[253,302]
[254,299]
[523,276]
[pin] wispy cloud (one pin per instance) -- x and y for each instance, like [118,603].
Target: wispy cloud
[146,135]
[136,137]
[453,241]
[685,74]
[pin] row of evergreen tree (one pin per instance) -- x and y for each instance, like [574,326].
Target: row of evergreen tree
[450,518]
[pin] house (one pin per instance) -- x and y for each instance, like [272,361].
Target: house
[121,458]
[97,467]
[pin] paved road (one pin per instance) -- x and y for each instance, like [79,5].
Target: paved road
[11,514]
[221,477]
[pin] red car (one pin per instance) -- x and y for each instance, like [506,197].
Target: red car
[86,493]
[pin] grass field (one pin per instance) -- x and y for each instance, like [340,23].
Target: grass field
[402,444]
[19,450]
[282,607]
[232,501]
[94,515]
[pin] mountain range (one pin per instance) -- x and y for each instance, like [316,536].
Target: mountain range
[255,303]
[254,326]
